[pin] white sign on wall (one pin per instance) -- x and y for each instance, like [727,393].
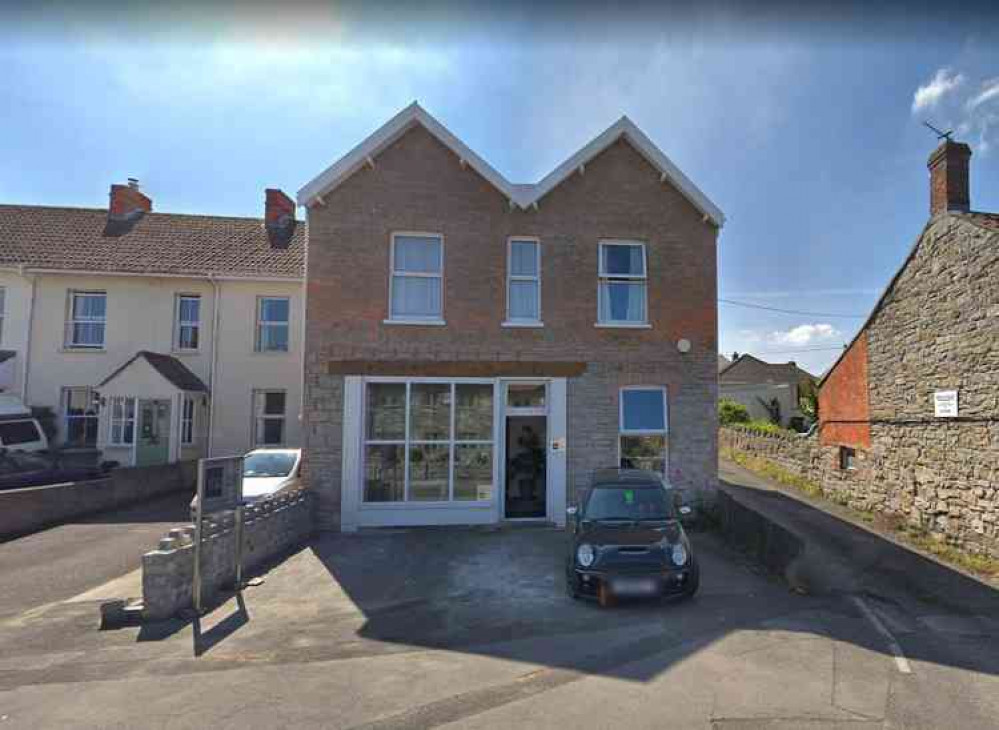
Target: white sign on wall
[945,404]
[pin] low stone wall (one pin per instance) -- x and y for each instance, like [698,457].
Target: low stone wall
[271,527]
[27,510]
[752,532]
[953,497]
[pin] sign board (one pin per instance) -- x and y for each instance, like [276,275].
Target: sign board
[558,444]
[220,483]
[220,487]
[945,404]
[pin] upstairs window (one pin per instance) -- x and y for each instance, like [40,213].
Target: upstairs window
[622,280]
[187,334]
[523,282]
[644,429]
[87,319]
[415,289]
[272,324]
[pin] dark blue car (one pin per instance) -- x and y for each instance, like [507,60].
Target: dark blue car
[627,540]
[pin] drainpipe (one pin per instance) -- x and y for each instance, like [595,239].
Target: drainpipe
[212,375]
[27,341]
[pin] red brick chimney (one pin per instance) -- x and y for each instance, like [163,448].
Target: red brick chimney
[949,186]
[279,217]
[127,202]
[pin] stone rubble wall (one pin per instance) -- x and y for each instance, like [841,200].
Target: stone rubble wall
[271,527]
[933,476]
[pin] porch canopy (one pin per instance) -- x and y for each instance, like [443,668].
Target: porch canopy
[148,396]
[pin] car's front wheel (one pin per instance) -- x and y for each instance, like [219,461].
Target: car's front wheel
[693,582]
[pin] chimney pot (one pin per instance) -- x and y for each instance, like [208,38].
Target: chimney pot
[949,179]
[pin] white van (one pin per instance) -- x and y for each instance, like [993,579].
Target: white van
[18,430]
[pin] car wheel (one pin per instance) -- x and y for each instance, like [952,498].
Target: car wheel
[694,583]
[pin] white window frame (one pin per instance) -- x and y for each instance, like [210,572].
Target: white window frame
[511,277]
[622,431]
[124,420]
[260,323]
[66,417]
[179,324]
[407,442]
[604,277]
[3,310]
[187,420]
[431,320]
[259,416]
[72,320]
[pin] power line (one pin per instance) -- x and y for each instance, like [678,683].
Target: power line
[804,349]
[790,311]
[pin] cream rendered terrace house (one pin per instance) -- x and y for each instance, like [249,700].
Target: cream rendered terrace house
[154,337]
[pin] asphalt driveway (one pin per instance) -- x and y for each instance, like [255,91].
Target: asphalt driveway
[472,627]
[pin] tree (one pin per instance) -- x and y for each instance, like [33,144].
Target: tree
[731,412]
[773,409]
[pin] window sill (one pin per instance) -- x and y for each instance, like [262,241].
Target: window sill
[528,325]
[623,325]
[70,348]
[268,352]
[416,322]
[402,504]
[182,353]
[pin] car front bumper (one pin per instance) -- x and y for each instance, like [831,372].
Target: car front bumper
[663,582]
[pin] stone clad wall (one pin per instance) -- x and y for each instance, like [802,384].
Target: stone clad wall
[271,527]
[894,477]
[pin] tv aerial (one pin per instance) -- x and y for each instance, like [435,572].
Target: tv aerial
[940,135]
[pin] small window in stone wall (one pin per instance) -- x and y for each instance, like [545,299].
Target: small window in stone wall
[847,458]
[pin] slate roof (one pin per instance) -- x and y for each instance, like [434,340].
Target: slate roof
[749,369]
[169,367]
[83,239]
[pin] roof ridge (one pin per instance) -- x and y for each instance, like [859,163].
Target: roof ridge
[152,213]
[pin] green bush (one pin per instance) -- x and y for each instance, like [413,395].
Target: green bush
[731,412]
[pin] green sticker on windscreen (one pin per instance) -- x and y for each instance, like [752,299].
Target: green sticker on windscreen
[629,496]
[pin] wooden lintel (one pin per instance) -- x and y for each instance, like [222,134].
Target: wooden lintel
[458,368]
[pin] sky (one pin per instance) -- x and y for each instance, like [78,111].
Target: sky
[805,130]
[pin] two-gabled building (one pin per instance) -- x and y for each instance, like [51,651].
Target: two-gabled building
[154,337]
[475,348]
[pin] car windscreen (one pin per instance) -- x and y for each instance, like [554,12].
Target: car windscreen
[626,503]
[18,432]
[268,465]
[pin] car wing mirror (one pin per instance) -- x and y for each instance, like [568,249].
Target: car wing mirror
[572,510]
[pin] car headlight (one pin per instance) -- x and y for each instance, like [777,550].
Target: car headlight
[585,555]
[679,554]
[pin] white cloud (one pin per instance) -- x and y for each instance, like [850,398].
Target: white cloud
[929,95]
[806,334]
[990,90]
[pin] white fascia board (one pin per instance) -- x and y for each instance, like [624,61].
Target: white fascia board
[624,127]
[523,196]
[386,135]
